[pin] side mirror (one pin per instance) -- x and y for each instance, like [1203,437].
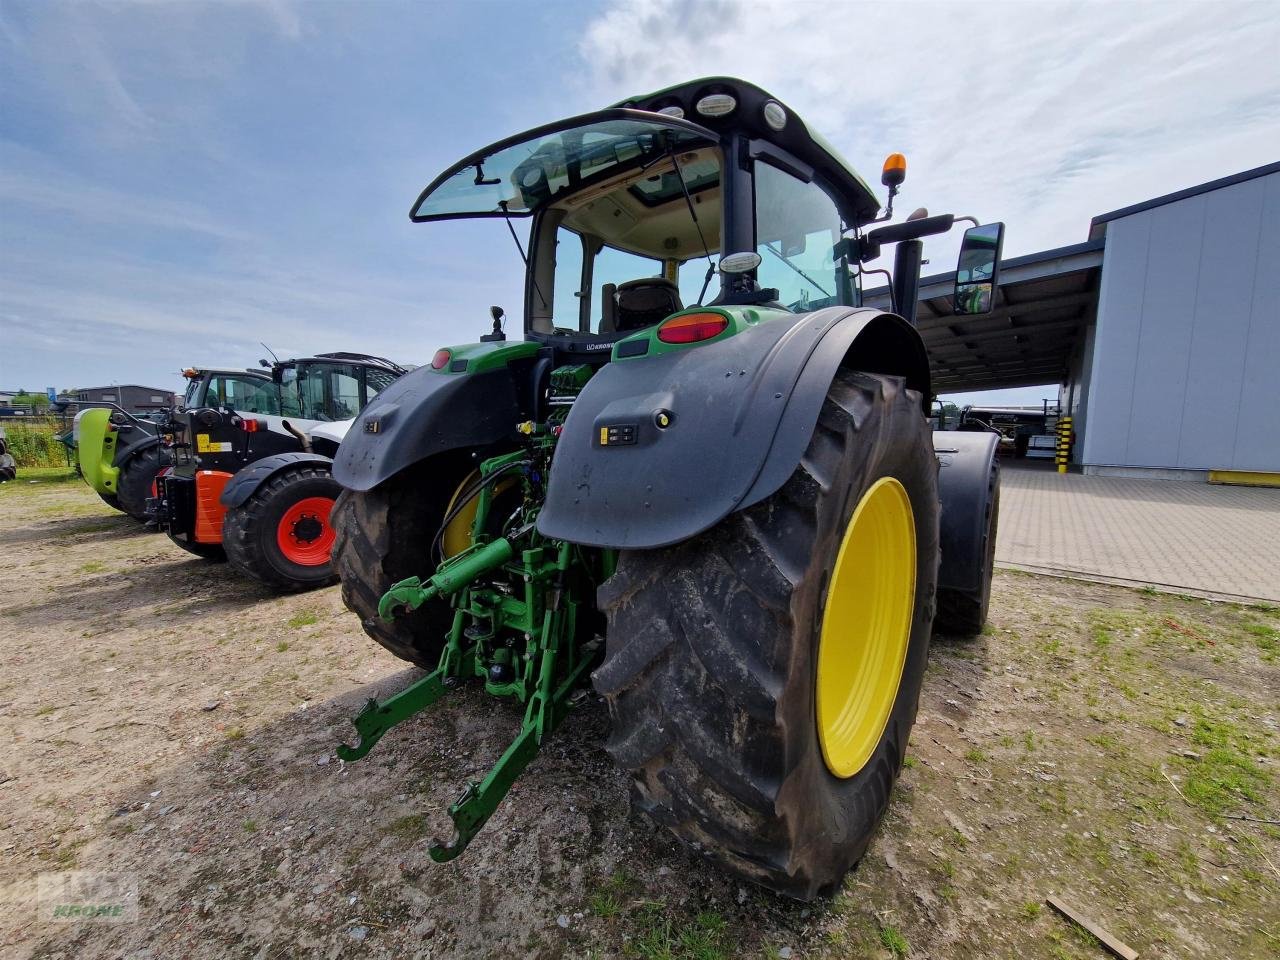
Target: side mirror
[978,272]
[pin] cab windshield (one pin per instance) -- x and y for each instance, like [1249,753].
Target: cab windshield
[523,173]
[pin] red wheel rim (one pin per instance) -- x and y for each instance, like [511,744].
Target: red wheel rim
[304,535]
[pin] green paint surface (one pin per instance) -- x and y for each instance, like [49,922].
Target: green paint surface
[482,357]
[740,318]
[97,449]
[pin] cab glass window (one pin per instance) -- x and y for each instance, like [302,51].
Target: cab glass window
[612,266]
[797,227]
[329,391]
[566,299]
[376,381]
[243,395]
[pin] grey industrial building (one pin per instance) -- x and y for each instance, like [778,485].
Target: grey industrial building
[131,396]
[1162,330]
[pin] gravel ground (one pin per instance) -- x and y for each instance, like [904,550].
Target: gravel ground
[174,726]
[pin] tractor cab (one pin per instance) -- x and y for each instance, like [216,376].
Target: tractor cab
[708,195]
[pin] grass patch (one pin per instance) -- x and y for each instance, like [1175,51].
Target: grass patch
[894,941]
[93,566]
[235,733]
[251,826]
[44,711]
[605,905]
[661,938]
[282,646]
[408,828]
[304,618]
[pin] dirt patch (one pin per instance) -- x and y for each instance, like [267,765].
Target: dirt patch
[173,723]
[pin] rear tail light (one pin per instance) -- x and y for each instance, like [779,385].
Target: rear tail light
[441,359]
[692,328]
[251,425]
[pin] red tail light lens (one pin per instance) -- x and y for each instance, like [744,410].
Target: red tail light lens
[692,328]
[251,426]
[441,359]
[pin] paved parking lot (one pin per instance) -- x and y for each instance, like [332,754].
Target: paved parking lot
[1192,537]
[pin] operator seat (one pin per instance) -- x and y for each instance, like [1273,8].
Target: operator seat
[642,303]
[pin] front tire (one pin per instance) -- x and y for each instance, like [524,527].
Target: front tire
[282,535]
[728,655]
[137,482]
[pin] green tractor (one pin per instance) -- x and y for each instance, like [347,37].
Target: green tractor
[703,481]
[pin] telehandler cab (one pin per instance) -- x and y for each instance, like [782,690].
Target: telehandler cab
[247,475]
[703,450]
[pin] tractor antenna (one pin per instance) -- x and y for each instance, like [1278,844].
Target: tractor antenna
[506,215]
[269,350]
[684,188]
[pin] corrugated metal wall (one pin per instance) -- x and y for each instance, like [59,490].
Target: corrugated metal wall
[1186,358]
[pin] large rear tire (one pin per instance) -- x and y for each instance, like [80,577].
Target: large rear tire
[763,677]
[111,500]
[137,482]
[282,535]
[384,535]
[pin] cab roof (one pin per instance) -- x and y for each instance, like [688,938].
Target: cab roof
[795,136]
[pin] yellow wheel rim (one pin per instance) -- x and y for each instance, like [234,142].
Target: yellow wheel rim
[863,644]
[457,535]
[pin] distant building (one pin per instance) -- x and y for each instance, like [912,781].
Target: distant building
[131,396]
[1162,331]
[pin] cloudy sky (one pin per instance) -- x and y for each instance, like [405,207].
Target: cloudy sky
[181,181]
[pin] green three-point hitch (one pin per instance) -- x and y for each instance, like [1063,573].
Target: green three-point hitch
[517,600]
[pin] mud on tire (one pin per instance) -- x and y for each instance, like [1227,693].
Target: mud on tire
[711,657]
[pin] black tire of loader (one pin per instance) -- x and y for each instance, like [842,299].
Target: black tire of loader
[710,666]
[111,500]
[136,481]
[249,531]
[963,613]
[383,536]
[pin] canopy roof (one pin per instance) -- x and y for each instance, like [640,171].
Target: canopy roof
[1041,309]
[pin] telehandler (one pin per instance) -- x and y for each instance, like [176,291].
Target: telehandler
[120,455]
[247,472]
[703,480]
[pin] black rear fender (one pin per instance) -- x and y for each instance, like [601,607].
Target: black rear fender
[742,412]
[245,482]
[967,475]
[425,413]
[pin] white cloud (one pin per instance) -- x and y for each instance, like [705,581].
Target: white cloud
[1038,115]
